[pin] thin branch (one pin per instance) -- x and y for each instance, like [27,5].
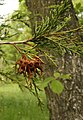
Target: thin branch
[46,35]
[17,42]
[17,48]
[64,32]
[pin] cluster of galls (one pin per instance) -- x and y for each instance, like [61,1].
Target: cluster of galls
[29,67]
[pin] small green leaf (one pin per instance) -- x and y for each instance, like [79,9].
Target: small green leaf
[56,75]
[46,81]
[20,0]
[78,5]
[56,87]
[65,76]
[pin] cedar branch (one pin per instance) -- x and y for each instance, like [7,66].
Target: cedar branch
[45,35]
[17,42]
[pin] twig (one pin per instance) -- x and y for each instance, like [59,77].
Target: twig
[64,32]
[17,42]
[17,48]
[45,35]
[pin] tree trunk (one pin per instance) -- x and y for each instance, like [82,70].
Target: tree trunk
[68,106]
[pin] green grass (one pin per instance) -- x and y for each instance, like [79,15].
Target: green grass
[18,105]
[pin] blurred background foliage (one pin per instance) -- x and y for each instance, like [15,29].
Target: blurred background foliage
[78,5]
[15,27]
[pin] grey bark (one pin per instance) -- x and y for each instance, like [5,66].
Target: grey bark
[68,106]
